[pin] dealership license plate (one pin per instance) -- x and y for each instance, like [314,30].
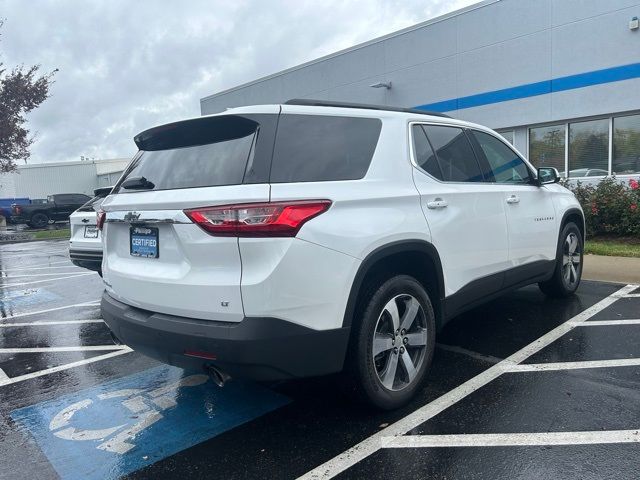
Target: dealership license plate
[90,231]
[144,242]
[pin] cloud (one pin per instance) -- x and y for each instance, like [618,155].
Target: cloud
[128,65]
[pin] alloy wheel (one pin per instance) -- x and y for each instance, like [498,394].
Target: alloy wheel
[571,260]
[400,342]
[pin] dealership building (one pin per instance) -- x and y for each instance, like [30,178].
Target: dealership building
[39,180]
[560,79]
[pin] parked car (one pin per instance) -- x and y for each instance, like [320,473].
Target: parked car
[343,239]
[85,244]
[57,208]
[588,172]
[6,203]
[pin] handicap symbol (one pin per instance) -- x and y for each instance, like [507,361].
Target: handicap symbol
[145,404]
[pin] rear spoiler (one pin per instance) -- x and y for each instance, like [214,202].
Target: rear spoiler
[196,131]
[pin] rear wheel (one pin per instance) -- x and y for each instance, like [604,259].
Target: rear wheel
[39,220]
[392,343]
[568,271]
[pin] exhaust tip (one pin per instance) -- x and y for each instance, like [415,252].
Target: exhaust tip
[217,376]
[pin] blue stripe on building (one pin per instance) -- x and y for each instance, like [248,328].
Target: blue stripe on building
[560,84]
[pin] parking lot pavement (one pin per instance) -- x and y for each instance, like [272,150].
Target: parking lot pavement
[523,387]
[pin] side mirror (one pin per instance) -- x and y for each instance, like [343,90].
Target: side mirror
[548,175]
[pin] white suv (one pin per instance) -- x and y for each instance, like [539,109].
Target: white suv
[301,239]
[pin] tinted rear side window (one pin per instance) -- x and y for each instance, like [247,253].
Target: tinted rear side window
[314,148]
[455,154]
[213,151]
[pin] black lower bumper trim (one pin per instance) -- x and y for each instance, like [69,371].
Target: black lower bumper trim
[259,348]
[89,259]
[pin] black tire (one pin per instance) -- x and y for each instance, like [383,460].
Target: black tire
[364,374]
[568,270]
[39,220]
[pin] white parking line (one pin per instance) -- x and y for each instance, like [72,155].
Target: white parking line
[9,277]
[373,443]
[85,348]
[48,280]
[600,323]
[38,312]
[61,253]
[67,366]
[40,266]
[540,367]
[632,295]
[3,376]
[55,322]
[512,439]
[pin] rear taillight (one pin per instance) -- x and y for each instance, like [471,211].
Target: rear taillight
[101,215]
[274,219]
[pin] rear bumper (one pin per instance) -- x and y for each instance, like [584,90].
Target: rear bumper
[257,348]
[89,259]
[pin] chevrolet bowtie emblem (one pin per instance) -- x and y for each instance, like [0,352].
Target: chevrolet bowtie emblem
[131,216]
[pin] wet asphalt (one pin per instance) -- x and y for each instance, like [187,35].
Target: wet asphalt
[67,392]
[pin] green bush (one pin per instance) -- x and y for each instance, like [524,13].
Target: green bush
[610,207]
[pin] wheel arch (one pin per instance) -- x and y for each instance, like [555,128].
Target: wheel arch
[576,215]
[404,256]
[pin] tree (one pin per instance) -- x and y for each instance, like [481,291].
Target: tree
[21,90]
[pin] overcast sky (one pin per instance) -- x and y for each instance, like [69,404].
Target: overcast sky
[126,65]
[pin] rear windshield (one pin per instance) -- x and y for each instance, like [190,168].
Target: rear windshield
[314,148]
[234,150]
[205,152]
[92,205]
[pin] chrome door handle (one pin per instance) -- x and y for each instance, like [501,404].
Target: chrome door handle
[513,199]
[437,203]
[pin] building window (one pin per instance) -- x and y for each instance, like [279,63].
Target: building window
[589,148]
[507,134]
[626,145]
[546,146]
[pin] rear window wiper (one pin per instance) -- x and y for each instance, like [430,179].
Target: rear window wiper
[138,183]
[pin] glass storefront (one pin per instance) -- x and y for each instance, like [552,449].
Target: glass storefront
[547,146]
[626,145]
[589,148]
[589,151]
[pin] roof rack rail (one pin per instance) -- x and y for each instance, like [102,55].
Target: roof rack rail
[326,103]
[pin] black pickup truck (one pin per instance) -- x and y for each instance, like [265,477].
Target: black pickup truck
[57,208]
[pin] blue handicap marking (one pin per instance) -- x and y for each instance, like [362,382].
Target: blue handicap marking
[123,425]
[25,298]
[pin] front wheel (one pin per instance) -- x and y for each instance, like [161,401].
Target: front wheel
[393,342]
[568,270]
[39,220]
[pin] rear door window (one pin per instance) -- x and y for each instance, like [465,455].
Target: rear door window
[206,152]
[455,155]
[315,148]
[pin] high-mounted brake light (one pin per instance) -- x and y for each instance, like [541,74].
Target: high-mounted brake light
[101,215]
[273,219]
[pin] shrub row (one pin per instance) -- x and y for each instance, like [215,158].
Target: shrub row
[610,207]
